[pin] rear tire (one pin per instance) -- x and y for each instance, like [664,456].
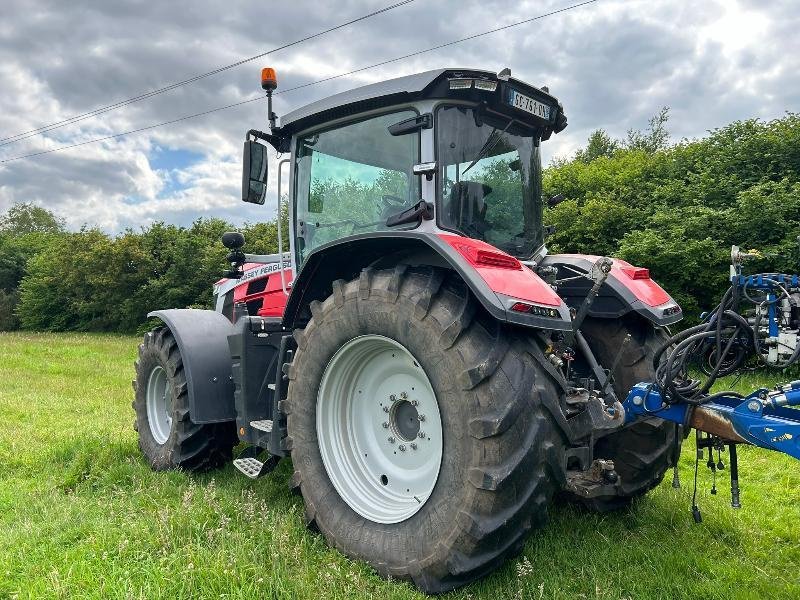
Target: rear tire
[501,453]
[644,452]
[167,437]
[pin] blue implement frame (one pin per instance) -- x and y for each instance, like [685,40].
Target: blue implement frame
[764,418]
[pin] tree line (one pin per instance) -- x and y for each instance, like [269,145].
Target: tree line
[674,208]
[56,280]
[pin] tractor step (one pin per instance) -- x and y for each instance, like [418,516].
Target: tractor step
[249,466]
[265,425]
[254,468]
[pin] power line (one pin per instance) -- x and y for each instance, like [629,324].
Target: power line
[107,108]
[304,85]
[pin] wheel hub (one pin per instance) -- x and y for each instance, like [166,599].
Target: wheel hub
[372,404]
[404,419]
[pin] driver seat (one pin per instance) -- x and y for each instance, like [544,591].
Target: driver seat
[467,206]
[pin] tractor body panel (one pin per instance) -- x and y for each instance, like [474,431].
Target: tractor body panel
[492,285]
[627,289]
[202,340]
[260,289]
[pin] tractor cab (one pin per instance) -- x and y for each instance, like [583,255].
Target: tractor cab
[448,150]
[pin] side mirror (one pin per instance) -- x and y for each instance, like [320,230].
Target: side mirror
[556,200]
[254,172]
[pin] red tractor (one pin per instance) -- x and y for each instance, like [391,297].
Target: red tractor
[435,375]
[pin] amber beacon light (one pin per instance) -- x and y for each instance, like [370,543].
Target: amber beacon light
[269,81]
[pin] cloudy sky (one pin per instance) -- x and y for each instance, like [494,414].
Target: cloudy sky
[612,63]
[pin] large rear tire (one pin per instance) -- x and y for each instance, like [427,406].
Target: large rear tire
[496,453]
[644,452]
[167,436]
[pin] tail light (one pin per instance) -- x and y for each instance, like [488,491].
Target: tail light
[540,311]
[636,272]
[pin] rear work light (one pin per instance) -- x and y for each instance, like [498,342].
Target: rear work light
[460,84]
[486,86]
[533,309]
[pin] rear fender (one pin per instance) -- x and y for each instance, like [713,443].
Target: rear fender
[497,288]
[627,289]
[202,337]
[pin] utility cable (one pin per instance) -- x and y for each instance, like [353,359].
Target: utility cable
[110,107]
[298,87]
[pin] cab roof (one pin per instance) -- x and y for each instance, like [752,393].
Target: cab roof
[428,84]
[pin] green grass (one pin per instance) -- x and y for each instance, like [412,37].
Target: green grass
[82,516]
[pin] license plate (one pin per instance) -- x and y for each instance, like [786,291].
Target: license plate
[529,105]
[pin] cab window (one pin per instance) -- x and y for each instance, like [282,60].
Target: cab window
[351,179]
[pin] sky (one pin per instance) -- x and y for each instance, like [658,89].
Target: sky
[613,64]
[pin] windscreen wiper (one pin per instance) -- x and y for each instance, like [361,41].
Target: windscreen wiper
[490,143]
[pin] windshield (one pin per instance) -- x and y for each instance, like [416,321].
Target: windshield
[351,179]
[490,179]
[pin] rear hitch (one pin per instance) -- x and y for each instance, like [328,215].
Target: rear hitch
[600,479]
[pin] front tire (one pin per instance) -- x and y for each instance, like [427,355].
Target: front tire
[500,452]
[167,436]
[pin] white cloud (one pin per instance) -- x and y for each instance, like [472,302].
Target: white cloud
[613,64]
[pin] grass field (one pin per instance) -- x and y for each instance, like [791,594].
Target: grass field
[82,516]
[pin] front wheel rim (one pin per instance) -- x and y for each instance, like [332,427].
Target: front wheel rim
[159,404]
[379,429]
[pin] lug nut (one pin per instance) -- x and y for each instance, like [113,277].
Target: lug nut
[421,435]
[421,417]
[414,402]
[391,439]
[392,397]
[385,425]
[413,445]
[386,409]
[402,448]
[403,395]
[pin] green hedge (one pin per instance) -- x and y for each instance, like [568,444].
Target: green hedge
[679,209]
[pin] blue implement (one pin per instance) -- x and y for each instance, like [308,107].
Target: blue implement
[764,418]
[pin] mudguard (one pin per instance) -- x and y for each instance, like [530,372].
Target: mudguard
[202,337]
[627,289]
[497,279]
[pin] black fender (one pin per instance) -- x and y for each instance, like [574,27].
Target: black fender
[202,337]
[617,296]
[346,257]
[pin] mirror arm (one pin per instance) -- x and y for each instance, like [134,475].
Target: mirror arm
[280,143]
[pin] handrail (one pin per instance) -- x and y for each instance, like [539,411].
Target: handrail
[280,234]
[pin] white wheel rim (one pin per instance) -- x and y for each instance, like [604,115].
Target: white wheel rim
[159,404]
[379,429]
